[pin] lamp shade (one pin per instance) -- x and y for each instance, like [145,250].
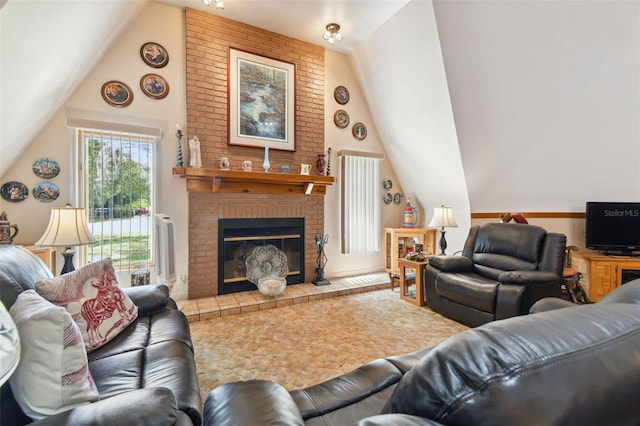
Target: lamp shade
[9,345]
[67,227]
[443,217]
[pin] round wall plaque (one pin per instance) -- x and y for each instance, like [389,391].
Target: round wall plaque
[359,131]
[341,95]
[341,118]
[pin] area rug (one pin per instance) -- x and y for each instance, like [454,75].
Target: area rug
[308,343]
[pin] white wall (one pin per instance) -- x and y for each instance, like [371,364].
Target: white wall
[546,96]
[338,72]
[573,228]
[406,87]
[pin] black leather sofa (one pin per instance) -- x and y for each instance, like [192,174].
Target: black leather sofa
[145,375]
[504,268]
[579,365]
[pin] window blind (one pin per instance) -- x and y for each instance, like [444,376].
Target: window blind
[360,201]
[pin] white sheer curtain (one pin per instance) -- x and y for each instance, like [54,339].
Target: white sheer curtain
[360,201]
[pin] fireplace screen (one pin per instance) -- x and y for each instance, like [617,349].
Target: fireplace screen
[238,238]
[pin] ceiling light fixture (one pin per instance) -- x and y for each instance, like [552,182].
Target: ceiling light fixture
[219,3]
[332,34]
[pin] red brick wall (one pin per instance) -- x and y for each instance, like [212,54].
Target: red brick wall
[208,39]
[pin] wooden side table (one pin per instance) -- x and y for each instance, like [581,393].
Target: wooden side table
[418,267]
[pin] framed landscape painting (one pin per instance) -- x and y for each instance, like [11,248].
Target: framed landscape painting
[261,101]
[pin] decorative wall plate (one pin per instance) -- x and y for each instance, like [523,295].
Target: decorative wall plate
[387,198]
[387,184]
[46,192]
[154,55]
[341,118]
[46,169]
[359,131]
[397,198]
[341,95]
[154,86]
[14,191]
[116,93]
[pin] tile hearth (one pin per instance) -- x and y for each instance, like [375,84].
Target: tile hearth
[250,301]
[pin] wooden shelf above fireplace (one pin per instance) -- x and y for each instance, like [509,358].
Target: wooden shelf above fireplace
[206,179]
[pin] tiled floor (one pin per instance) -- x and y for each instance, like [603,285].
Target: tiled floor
[249,301]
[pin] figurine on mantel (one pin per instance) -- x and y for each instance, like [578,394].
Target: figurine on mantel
[194,152]
[223,163]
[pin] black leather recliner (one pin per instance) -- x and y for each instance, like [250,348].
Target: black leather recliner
[503,270]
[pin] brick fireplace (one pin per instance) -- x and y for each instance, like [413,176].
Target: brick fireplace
[208,39]
[205,210]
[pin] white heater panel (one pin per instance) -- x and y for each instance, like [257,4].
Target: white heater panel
[165,250]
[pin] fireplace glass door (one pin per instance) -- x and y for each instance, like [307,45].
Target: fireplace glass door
[238,237]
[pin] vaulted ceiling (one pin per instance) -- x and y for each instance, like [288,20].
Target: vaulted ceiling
[43,58]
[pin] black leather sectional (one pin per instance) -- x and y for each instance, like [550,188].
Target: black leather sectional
[145,375]
[564,365]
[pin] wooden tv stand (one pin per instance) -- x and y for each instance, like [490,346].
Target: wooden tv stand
[604,273]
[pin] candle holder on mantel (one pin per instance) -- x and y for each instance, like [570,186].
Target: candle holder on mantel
[321,260]
[179,159]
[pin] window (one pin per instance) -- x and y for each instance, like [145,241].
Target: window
[117,182]
[360,201]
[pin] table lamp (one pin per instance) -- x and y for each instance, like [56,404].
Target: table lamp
[67,227]
[443,218]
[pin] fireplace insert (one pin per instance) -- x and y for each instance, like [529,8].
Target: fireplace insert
[238,237]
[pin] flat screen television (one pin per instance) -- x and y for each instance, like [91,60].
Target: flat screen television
[613,227]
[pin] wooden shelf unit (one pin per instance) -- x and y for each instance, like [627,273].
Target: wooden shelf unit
[207,179]
[603,273]
[396,241]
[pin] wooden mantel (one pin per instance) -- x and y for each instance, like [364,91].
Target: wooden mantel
[207,179]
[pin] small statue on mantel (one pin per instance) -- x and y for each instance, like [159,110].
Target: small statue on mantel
[194,152]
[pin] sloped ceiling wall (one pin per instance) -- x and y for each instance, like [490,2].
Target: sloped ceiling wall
[48,48]
[400,67]
[546,99]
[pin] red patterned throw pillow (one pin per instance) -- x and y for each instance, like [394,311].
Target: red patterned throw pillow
[92,296]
